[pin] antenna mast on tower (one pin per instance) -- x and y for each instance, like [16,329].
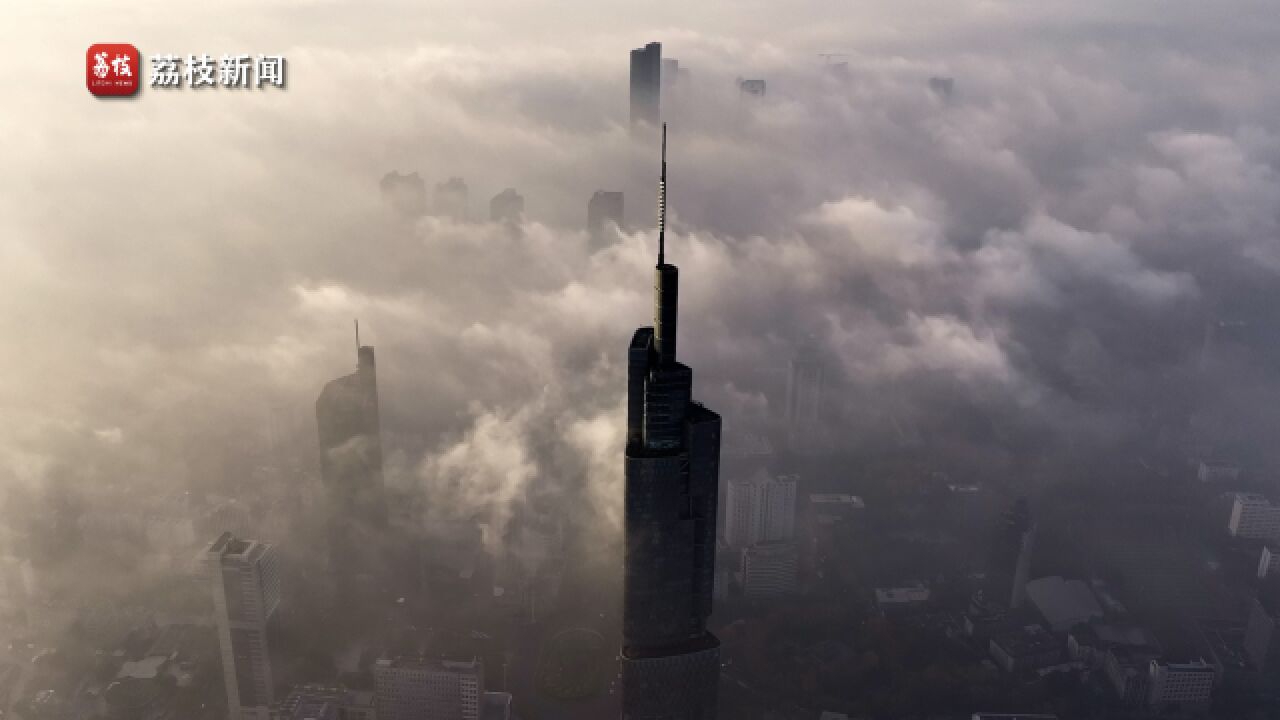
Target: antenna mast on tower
[662,201]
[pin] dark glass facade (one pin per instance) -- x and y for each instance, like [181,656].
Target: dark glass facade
[646,85]
[670,663]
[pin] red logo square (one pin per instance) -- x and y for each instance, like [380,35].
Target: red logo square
[112,69]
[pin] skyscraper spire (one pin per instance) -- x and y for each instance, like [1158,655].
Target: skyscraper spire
[670,662]
[662,201]
[666,281]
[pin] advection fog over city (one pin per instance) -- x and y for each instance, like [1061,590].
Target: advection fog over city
[983,294]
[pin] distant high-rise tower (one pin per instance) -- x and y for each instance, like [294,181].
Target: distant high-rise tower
[406,193]
[646,85]
[351,463]
[246,592]
[1022,571]
[752,87]
[507,206]
[760,509]
[451,199]
[1019,536]
[806,391]
[670,662]
[670,72]
[605,208]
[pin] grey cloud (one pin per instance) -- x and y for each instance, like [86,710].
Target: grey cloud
[179,266]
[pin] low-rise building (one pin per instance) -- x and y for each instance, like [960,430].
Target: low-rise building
[1013,716]
[899,598]
[770,570]
[1217,471]
[1180,685]
[1127,669]
[1090,643]
[1063,603]
[496,706]
[415,688]
[1253,517]
[1029,647]
[840,505]
[322,702]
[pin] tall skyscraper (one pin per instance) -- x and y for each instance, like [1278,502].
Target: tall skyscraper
[246,592]
[406,193]
[351,465]
[451,199]
[806,391]
[1022,570]
[646,86]
[604,209]
[670,662]
[670,72]
[507,206]
[1015,543]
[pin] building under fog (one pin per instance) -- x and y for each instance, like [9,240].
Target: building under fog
[1013,549]
[1254,517]
[318,702]
[246,592]
[421,688]
[670,662]
[646,85]
[406,193]
[760,508]
[1180,686]
[770,570]
[806,394]
[753,87]
[604,213]
[451,199]
[507,206]
[760,524]
[351,469]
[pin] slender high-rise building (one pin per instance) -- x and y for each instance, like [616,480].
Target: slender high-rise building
[806,393]
[670,662]
[604,217]
[646,85]
[351,467]
[246,591]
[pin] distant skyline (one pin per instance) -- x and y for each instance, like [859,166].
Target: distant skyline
[942,264]
[1026,264]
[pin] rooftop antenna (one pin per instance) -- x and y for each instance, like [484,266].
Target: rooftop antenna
[662,202]
[357,334]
